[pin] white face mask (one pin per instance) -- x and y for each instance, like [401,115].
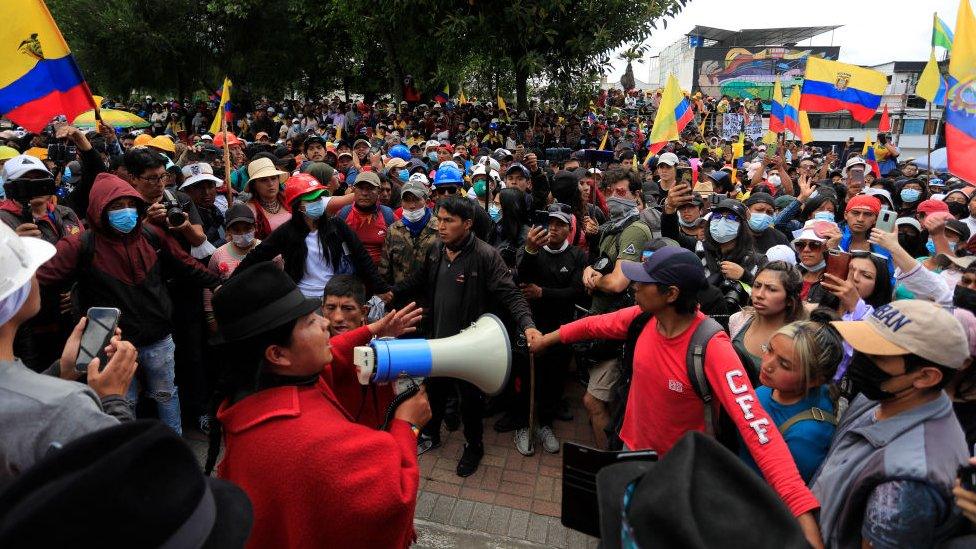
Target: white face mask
[414,215]
[243,240]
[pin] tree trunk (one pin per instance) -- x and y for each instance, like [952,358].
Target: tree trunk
[521,86]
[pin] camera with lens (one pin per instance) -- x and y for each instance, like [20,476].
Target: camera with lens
[733,293]
[175,215]
[61,153]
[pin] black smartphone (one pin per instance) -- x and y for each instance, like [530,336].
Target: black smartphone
[967,477]
[540,218]
[102,322]
[684,176]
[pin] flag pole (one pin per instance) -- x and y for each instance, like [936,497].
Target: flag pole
[223,129]
[929,119]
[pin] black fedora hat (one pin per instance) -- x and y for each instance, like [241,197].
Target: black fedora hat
[259,298]
[698,495]
[136,484]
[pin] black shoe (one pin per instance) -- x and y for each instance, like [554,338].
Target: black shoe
[562,411]
[470,460]
[509,422]
[452,420]
[426,443]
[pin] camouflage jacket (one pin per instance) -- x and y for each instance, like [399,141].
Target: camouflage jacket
[403,254]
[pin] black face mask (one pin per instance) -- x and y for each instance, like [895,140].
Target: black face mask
[965,298]
[910,243]
[959,211]
[867,378]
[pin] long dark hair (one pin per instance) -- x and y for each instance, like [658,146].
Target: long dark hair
[296,268]
[240,370]
[744,245]
[883,289]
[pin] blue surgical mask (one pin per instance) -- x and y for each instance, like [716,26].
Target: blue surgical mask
[404,175]
[123,220]
[688,224]
[930,246]
[824,216]
[495,211]
[910,195]
[314,210]
[759,221]
[723,230]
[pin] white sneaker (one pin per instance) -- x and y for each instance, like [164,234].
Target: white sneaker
[523,442]
[548,439]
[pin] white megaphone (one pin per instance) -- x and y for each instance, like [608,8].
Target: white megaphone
[481,354]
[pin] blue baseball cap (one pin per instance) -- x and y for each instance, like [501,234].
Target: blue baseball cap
[670,265]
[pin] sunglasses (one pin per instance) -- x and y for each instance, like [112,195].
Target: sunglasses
[445,190]
[810,244]
[730,216]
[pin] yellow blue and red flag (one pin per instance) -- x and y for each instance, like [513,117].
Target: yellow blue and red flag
[831,86]
[224,109]
[931,86]
[444,95]
[870,157]
[39,78]
[776,109]
[673,114]
[960,129]
[791,112]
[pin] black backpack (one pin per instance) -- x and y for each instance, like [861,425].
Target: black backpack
[721,427]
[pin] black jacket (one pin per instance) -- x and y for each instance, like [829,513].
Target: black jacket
[560,275]
[342,244]
[488,284]
[671,229]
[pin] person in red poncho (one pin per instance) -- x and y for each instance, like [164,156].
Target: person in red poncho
[315,478]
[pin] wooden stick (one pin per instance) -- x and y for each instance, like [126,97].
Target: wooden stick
[931,171]
[531,400]
[223,127]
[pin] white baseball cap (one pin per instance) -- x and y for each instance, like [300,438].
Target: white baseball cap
[670,159]
[20,257]
[197,172]
[16,167]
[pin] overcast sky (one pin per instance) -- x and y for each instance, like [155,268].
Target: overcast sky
[871,32]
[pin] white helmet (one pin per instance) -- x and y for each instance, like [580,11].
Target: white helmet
[20,256]
[16,167]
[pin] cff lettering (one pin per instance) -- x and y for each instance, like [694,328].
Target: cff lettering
[745,400]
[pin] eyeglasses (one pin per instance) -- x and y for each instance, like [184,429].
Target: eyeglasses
[154,180]
[810,244]
[725,215]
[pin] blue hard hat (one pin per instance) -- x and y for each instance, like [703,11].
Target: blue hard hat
[493,126]
[448,175]
[401,152]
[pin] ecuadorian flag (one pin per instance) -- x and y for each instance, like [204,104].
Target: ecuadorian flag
[39,78]
[673,114]
[791,113]
[776,109]
[960,129]
[831,86]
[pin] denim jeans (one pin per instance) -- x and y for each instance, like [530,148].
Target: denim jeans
[157,369]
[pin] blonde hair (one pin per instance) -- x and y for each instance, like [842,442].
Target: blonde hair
[817,347]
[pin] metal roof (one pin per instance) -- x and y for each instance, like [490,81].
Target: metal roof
[784,36]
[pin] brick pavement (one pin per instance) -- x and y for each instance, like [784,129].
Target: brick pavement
[511,496]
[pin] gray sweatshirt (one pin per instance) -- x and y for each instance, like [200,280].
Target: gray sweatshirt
[39,412]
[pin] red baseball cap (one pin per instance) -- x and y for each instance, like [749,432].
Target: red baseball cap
[302,185]
[232,140]
[931,206]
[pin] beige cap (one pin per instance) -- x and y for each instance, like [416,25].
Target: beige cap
[368,177]
[909,326]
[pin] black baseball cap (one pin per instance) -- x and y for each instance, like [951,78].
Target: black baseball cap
[669,265]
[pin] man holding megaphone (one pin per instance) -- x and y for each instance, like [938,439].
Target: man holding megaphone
[462,278]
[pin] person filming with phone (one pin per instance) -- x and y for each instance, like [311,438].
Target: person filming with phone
[41,411]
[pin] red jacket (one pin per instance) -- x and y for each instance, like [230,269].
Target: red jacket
[662,406]
[315,478]
[366,408]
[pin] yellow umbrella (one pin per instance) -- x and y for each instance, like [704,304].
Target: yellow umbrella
[112,117]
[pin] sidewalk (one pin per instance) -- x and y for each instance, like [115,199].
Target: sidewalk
[510,496]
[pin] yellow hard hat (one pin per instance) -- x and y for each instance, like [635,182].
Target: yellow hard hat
[39,153]
[142,140]
[162,143]
[6,153]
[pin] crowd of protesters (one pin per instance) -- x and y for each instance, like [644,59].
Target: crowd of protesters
[814,315]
